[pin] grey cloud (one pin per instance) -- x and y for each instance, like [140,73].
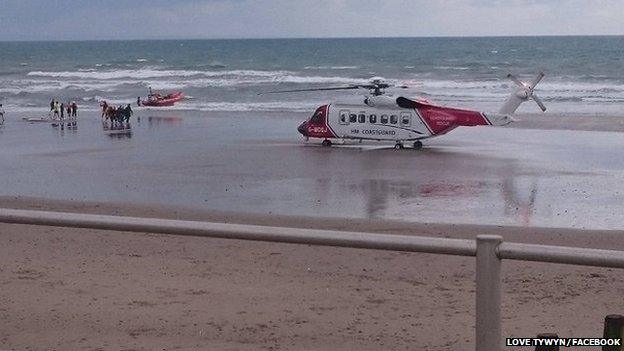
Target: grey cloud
[124,19]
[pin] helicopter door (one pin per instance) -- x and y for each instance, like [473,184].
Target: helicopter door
[344,117]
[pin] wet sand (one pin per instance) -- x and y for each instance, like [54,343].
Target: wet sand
[85,290]
[256,163]
[557,121]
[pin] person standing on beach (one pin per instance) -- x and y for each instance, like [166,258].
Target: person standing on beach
[55,108]
[51,105]
[62,110]
[68,109]
[1,114]
[104,105]
[74,109]
[128,113]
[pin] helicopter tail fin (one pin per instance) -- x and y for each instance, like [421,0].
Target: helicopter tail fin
[525,92]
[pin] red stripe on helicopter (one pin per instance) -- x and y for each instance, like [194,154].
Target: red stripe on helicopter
[441,120]
[424,122]
[319,128]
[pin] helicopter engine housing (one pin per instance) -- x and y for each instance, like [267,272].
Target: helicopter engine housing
[380,101]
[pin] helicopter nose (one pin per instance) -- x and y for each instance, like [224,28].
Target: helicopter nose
[303,128]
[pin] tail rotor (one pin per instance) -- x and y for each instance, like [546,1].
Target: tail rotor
[525,92]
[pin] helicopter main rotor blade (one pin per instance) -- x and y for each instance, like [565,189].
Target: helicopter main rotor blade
[350,87]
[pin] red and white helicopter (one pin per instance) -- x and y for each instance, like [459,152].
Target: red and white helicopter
[400,120]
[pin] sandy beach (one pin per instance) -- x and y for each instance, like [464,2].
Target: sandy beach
[71,289]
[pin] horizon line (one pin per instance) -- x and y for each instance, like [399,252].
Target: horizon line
[317,38]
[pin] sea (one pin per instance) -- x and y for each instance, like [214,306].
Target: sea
[584,75]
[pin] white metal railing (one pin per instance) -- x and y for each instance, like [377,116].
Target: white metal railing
[489,250]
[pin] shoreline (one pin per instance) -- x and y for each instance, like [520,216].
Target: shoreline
[590,122]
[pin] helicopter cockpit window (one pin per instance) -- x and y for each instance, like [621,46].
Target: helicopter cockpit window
[394,119]
[361,118]
[318,117]
[372,118]
[384,119]
[352,118]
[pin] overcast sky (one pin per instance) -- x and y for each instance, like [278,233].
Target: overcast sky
[152,19]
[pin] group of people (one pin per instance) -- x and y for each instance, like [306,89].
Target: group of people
[116,115]
[59,109]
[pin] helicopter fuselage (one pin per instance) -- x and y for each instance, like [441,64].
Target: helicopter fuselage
[385,120]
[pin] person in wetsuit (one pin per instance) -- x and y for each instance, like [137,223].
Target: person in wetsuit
[129,113]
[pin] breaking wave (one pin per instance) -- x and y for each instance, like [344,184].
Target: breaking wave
[273,106]
[146,73]
[332,67]
[179,79]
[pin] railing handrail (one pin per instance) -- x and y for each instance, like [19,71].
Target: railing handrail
[390,242]
[488,249]
[561,254]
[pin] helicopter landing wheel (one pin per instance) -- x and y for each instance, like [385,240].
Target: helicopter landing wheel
[418,145]
[398,146]
[327,142]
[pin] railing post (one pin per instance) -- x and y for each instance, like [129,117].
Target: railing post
[488,324]
[613,329]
